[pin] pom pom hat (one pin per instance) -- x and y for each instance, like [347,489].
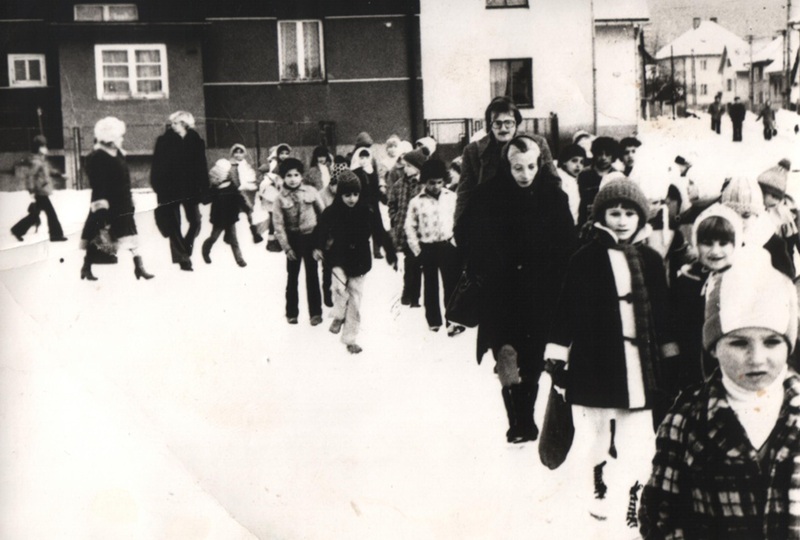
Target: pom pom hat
[773,180]
[621,191]
[743,195]
[751,294]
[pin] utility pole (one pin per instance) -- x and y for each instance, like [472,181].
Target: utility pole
[787,50]
[694,81]
[672,78]
[752,78]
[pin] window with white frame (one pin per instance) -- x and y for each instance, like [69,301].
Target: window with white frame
[26,70]
[730,85]
[106,12]
[301,50]
[506,3]
[131,71]
[513,78]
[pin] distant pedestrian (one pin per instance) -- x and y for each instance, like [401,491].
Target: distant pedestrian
[295,217]
[112,209]
[342,241]
[179,176]
[767,116]
[40,185]
[737,112]
[715,111]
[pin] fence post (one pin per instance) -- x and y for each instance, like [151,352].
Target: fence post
[554,135]
[76,151]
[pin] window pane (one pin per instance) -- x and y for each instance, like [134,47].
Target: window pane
[521,82]
[505,3]
[122,13]
[116,87]
[148,87]
[148,57]
[20,73]
[289,46]
[148,71]
[115,72]
[88,13]
[312,50]
[498,75]
[115,57]
[34,70]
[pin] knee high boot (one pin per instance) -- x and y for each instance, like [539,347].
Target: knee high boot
[512,435]
[86,270]
[237,254]
[138,269]
[525,400]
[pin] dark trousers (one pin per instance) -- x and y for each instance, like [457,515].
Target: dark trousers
[715,125]
[737,131]
[412,277]
[180,245]
[230,239]
[438,258]
[767,133]
[303,247]
[42,202]
[327,276]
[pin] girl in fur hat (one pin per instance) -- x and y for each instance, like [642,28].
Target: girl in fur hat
[727,463]
[226,204]
[608,336]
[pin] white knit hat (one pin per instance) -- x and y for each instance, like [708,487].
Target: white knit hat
[751,294]
[743,194]
[109,129]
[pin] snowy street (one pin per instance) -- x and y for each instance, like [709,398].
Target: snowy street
[186,406]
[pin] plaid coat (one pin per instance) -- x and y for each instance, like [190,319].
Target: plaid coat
[400,196]
[707,479]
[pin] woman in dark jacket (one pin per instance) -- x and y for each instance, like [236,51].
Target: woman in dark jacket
[481,159]
[112,207]
[520,237]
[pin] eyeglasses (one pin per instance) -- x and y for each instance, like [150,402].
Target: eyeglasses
[497,124]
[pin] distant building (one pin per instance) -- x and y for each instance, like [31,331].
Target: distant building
[542,54]
[769,73]
[695,60]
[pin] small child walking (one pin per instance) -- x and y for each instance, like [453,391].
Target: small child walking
[343,236]
[429,233]
[226,203]
[295,216]
[611,315]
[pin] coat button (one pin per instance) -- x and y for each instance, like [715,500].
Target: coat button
[519,267]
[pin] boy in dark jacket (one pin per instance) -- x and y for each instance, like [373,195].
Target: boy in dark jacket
[342,238]
[605,151]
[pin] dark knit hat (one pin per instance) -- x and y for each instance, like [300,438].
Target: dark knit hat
[570,151]
[288,164]
[37,143]
[337,170]
[363,139]
[416,157]
[621,191]
[348,182]
[433,168]
[606,145]
[773,180]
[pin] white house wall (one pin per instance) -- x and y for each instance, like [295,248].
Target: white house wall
[618,79]
[459,37]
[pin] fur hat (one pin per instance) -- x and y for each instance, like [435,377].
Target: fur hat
[726,213]
[433,168]
[337,169]
[743,195]
[773,180]
[416,157]
[183,116]
[363,139]
[621,190]
[427,142]
[570,151]
[751,294]
[347,182]
[288,164]
[109,129]
[38,142]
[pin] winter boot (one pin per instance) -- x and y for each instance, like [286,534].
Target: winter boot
[524,396]
[513,434]
[256,236]
[86,270]
[207,250]
[138,269]
[237,254]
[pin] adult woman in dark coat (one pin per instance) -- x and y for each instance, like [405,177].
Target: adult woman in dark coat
[481,159]
[520,236]
[112,203]
[179,176]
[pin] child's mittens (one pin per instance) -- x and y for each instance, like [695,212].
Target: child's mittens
[507,368]
[290,254]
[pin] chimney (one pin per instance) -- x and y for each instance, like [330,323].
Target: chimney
[713,19]
[696,23]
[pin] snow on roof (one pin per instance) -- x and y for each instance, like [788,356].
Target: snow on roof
[771,54]
[707,39]
[619,10]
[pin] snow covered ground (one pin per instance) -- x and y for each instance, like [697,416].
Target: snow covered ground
[186,407]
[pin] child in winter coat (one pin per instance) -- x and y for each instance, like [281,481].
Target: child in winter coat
[773,187]
[327,196]
[400,195]
[717,236]
[268,192]
[726,462]
[429,232]
[570,165]
[607,339]
[343,236]
[605,151]
[319,172]
[295,217]
[364,166]
[248,186]
[225,206]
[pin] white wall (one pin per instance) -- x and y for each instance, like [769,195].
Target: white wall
[618,79]
[459,37]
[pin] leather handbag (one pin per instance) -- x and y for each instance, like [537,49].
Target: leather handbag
[464,304]
[555,440]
